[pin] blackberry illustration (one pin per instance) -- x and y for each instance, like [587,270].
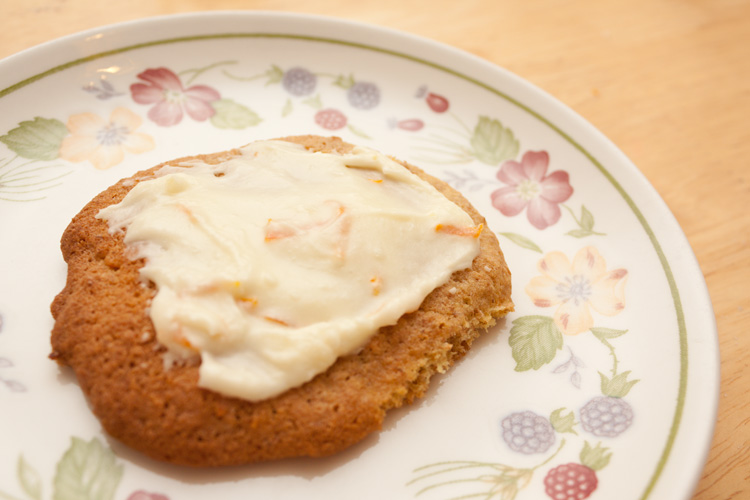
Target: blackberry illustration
[299,81]
[606,416]
[570,482]
[363,95]
[330,119]
[527,432]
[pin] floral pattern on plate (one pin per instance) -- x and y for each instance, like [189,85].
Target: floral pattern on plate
[571,339]
[87,470]
[5,363]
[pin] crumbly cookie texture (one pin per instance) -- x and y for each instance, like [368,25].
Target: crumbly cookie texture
[103,331]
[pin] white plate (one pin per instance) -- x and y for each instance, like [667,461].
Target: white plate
[636,305]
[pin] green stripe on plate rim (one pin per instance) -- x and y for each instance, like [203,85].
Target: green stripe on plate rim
[639,215]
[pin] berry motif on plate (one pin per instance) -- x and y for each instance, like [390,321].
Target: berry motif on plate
[606,416]
[535,340]
[573,291]
[436,102]
[330,119]
[303,87]
[299,81]
[577,481]
[409,124]
[579,289]
[570,482]
[363,95]
[526,432]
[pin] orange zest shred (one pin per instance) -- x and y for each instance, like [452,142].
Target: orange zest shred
[376,282]
[185,210]
[180,338]
[276,320]
[248,302]
[276,230]
[473,231]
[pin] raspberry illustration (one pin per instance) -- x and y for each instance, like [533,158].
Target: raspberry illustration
[299,81]
[330,119]
[363,95]
[437,103]
[570,482]
[527,432]
[412,124]
[606,416]
[574,481]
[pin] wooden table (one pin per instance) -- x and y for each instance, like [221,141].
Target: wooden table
[668,81]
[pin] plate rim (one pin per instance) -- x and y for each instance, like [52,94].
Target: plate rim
[645,189]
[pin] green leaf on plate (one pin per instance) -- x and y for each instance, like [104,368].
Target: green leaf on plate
[585,223]
[618,386]
[344,81]
[595,458]
[87,471]
[274,75]
[587,219]
[358,132]
[30,480]
[492,143]
[287,109]
[5,496]
[563,423]
[607,333]
[522,241]
[37,139]
[314,102]
[232,115]
[534,341]
[579,233]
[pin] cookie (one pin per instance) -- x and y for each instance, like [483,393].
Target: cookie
[104,332]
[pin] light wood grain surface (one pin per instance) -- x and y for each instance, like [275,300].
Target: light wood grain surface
[667,80]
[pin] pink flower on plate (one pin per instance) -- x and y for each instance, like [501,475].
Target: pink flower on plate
[164,89]
[529,187]
[578,287]
[104,142]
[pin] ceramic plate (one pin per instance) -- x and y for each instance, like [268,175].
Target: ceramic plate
[604,378]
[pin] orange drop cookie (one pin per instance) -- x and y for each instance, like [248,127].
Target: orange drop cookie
[104,332]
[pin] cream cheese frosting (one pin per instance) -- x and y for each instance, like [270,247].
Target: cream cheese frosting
[272,264]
